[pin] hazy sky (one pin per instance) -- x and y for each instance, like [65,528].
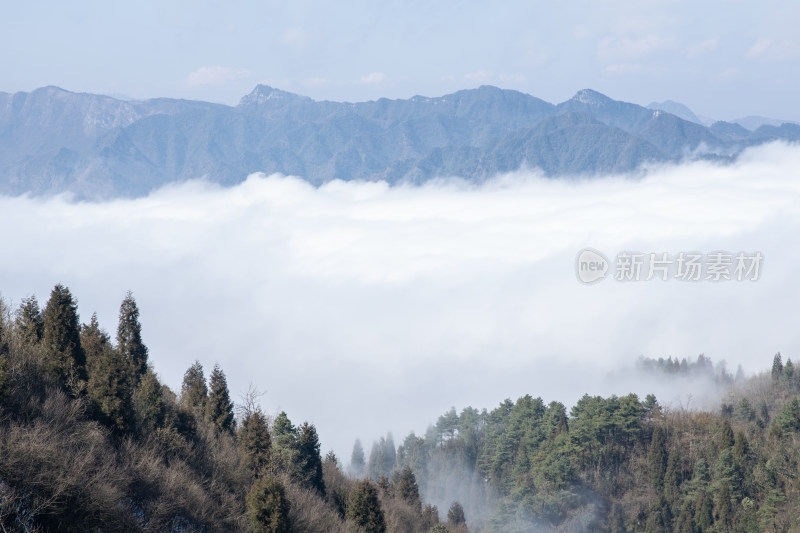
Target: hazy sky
[723,58]
[364,308]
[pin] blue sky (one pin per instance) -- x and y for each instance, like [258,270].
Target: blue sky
[724,59]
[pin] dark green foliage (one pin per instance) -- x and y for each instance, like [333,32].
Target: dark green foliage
[29,322]
[724,508]
[4,350]
[149,402]
[267,506]
[703,517]
[788,420]
[285,451]
[309,460]
[744,410]
[788,372]
[219,408]
[194,392]
[357,460]
[61,343]
[455,515]
[777,367]
[108,387]
[439,528]
[405,487]
[364,508]
[255,442]
[657,459]
[129,337]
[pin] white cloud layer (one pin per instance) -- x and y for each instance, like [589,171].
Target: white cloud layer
[365,308]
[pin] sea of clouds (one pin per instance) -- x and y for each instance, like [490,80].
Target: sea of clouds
[365,308]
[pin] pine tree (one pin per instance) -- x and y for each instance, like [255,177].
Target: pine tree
[310,460]
[364,508]
[219,408]
[285,452]
[4,350]
[657,459]
[149,401]
[61,342]
[725,438]
[29,322]
[129,337]
[255,442]
[455,515]
[430,517]
[724,507]
[194,392]
[267,506]
[357,460]
[108,385]
[703,515]
[406,488]
[777,367]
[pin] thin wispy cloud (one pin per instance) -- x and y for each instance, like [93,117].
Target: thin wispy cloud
[216,75]
[365,308]
[373,77]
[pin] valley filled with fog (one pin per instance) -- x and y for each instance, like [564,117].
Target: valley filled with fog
[366,308]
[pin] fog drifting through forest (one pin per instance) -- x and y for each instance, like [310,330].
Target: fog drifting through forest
[364,308]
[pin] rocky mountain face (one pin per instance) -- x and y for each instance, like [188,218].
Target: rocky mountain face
[94,146]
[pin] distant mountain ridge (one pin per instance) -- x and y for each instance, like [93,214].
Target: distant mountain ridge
[95,146]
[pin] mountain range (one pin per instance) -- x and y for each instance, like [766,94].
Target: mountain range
[96,146]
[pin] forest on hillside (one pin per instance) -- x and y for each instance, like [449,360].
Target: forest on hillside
[91,440]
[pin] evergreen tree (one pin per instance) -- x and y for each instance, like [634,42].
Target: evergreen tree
[357,460]
[788,420]
[725,439]
[255,442]
[364,508]
[219,408]
[724,508]
[29,322]
[4,350]
[703,515]
[194,392]
[672,481]
[788,372]
[108,385]
[657,459]
[267,506]
[129,337]
[149,401]
[777,367]
[310,460]
[406,488]
[455,515]
[61,341]
[655,521]
[382,458]
[4,330]
[430,517]
[285,452]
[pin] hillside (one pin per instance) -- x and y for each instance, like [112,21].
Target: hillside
[90,440]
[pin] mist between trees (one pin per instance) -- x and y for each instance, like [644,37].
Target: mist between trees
[91,440]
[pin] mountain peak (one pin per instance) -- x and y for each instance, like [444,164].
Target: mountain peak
[263,93]
[591,97]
